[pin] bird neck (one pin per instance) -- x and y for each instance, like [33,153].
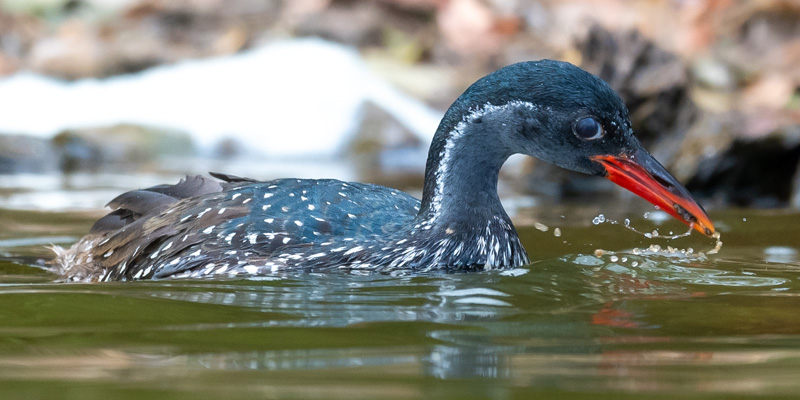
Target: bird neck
[464,162]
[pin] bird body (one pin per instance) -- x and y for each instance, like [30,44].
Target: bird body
[547,109]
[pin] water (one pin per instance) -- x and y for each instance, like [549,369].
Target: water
[571,325]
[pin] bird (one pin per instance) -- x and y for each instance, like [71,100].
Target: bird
[229,226]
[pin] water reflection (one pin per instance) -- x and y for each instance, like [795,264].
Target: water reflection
[638,323]
[299,359]
[341,300]
[451,362]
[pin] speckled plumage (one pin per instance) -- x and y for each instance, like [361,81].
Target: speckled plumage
[204,227]
[256,228]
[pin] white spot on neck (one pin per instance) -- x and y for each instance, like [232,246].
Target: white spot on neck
[460,130]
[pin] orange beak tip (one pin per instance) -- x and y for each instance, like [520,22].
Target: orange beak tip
[645,177]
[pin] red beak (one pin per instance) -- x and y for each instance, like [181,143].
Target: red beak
[643,175]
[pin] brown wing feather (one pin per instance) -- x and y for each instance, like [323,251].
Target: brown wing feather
[130,230]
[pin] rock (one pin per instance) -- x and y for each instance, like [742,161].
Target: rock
[118,146]
[764,35]
[73,52]
[385,152]
[475,28]
[262,97]
[26,154]
[18,34]
[759,172]
[362,24]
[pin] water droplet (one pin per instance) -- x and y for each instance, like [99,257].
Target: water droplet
[599,219]
[599,252]
[654,248]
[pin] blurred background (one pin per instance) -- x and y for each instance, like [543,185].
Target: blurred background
[97,96]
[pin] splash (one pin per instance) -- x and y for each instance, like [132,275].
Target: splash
[687,254]
[544,228]
[655,234]
[718,245]
[650,235]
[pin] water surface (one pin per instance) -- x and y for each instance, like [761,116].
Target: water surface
[571,324]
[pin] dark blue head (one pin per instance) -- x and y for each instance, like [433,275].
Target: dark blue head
[564,115]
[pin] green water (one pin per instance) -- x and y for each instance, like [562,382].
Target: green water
[571,325]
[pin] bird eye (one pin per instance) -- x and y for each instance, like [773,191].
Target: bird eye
[589,128]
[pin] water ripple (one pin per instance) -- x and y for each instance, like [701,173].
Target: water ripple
[674,270]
